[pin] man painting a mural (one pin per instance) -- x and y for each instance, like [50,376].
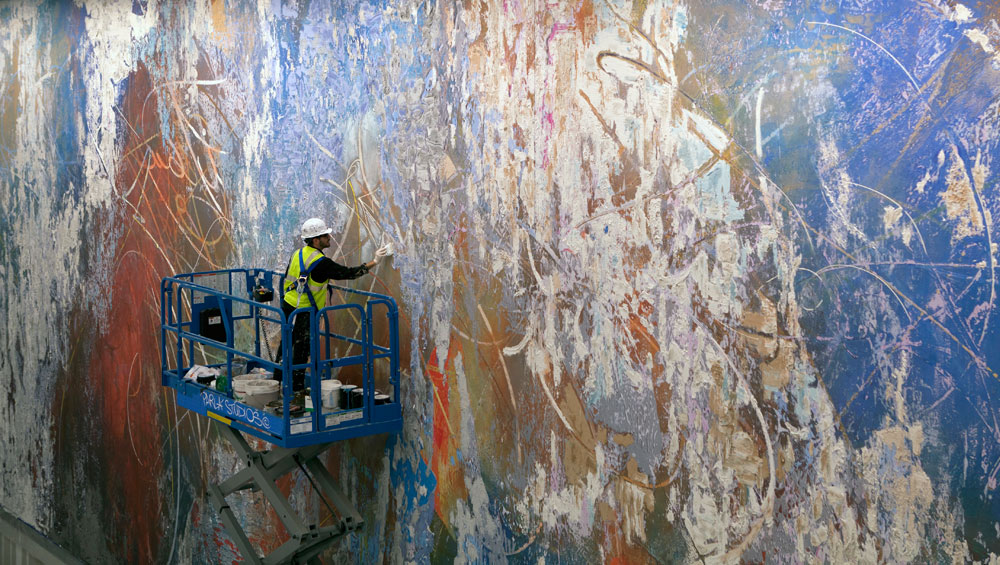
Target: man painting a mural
[678,281]
[307,275]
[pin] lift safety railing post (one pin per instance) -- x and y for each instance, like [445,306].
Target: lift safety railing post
[324,365]
[392,351]
[369,377]
[393,316]
[165,304]
[287,366]
[392,313]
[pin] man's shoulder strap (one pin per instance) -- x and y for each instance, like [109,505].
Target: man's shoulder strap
[303,270]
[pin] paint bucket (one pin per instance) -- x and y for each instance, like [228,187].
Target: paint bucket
[330,393]
[357,398]
[240,384]
[346,391]
[381,399]
[261,391]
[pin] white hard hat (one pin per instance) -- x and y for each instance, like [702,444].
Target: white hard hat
[314,227]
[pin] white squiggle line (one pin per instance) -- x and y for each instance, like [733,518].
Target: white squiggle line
[873,42]
[361,161]
[759,150]
[515,349]
[815,274]
[541,378]
[757,143]
[128,418]
[989,252]
[875,275]
[510,388]
[908,216]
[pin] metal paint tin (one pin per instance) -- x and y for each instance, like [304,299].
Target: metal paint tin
[357,398]
[346,391]
[381,399]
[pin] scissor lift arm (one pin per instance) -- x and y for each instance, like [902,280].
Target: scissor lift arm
[262,471]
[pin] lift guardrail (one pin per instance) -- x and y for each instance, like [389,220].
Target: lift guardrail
[221,325]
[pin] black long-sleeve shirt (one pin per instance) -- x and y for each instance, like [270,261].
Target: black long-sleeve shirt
[327,269]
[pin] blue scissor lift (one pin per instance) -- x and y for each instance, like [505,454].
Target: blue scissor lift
[219,320]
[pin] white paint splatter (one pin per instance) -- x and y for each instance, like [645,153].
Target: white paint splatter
[981,39]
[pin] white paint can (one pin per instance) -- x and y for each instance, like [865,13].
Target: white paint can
[240,384]
[331,394]
[261,391]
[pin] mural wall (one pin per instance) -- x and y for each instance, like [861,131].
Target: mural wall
[697,281]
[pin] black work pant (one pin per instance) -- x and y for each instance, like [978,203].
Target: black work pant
[300,346]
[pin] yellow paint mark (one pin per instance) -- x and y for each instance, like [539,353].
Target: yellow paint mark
[215,416]
[219,16]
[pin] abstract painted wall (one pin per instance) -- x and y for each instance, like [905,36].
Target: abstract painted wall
[679,281]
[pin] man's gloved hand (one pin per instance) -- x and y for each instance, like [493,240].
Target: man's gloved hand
[381,252]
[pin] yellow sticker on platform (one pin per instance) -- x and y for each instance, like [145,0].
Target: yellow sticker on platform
[225,421]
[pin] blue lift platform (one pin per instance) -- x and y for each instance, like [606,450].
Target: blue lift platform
[220,320]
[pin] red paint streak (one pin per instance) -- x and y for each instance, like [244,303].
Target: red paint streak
[585,21]
[221,542]
[618,548]
[450,479]
[441,433]
[123,372]
[154,179]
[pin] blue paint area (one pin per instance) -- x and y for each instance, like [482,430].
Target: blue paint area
[411,477]
[888,136]
[327,97]
[66,129]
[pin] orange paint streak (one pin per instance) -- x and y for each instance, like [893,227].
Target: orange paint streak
[619,550]
[450,479]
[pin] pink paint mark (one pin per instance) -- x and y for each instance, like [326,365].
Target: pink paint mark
[977,312]
[557,28]
[548,126]
[936,304]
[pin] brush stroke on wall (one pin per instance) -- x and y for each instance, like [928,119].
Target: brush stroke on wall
[679,281]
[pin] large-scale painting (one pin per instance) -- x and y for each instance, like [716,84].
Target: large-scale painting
[678,281]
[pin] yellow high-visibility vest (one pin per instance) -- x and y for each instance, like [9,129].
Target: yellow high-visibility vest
[304,258]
